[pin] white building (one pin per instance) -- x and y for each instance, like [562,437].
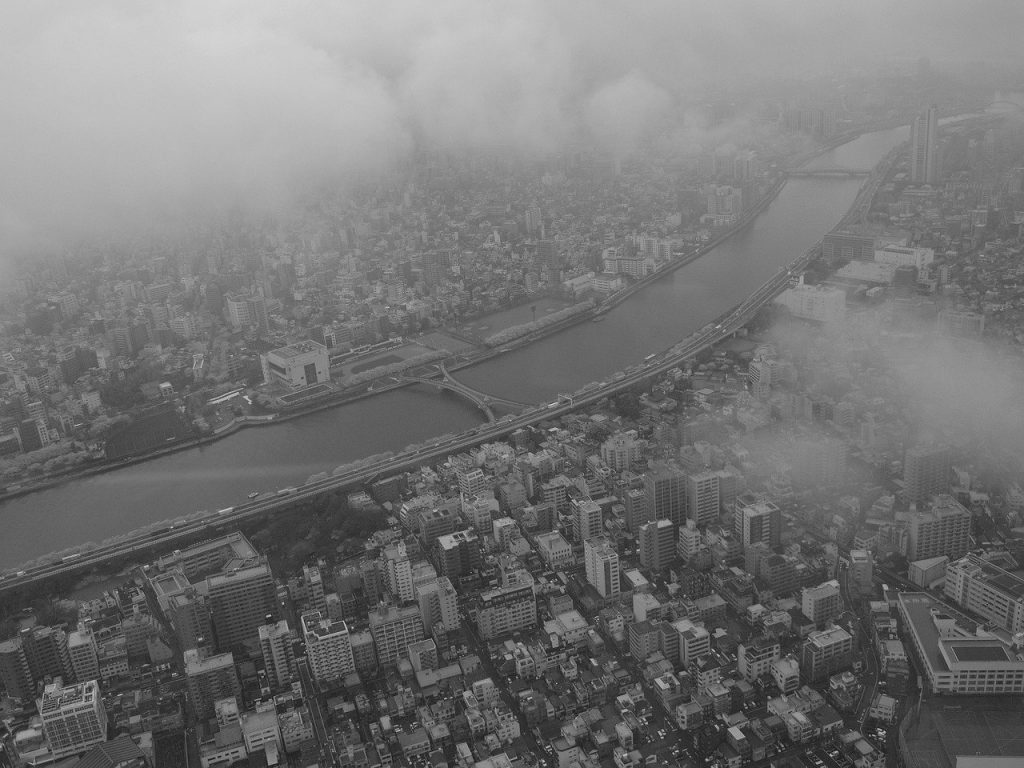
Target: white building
[73,718]
[694,640]
[786,674]
[987,590]
[903,256]
[297,365]
[814,302]
[554,550]
[958,658]
[756,656]
[821,603]
[328,647]
[602,564]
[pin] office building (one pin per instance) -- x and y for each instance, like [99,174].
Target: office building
[602,566]
[587,520]
[505,610]
[209,679]
[439,605]
[14,672]
[82,651]
[657,544]
[861,572]
[328,647]
[826,652]
[956,657]
[297,365]
[924,147]
[458,554]
[703,502]
[74,719]
[756,656]
[278,656]
[926,471]
[758,523]
[665,491]
[985,589]
[944,530]
[240,601]
[848,245]
[822,603]
[393,630]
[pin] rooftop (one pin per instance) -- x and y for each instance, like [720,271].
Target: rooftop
[299,348]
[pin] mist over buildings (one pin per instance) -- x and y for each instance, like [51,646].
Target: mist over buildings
[123,116]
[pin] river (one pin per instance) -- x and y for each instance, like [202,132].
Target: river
[222,473]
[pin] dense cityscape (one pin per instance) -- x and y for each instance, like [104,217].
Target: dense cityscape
[793,539]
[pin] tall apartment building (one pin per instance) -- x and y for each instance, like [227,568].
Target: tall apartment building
[74,719]
[278,656]
[822,603]
[82,651]
[602,565]
[505,610]
[458,554]
[924,147]
[825,653]
[240,601]
[983,588]
[657,544]
[393,630]
[637,510]
[665,491]
[46,649]
[944,530]
[848,245]
[439,605]
[14,672]
[210,678]
[861,573]
[328,647]
[755,657]
[703,502]
[926,472]
[398,571]
[758,523]
[587,520]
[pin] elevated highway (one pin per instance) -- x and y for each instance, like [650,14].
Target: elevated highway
[189,530]
[828,171]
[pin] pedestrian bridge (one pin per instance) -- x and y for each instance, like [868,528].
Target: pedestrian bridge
[485,402]
[832,170]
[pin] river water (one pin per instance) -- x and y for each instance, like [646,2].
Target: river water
[266,458]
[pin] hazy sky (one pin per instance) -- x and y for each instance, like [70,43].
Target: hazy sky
[121,113]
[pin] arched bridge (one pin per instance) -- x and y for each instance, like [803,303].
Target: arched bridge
[482,400]
[833,170]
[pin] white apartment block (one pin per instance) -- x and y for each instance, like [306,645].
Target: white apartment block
[328,647]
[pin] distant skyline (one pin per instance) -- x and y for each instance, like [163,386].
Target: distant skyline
[124,114]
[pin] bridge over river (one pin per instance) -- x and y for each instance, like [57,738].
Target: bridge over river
[443,379]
